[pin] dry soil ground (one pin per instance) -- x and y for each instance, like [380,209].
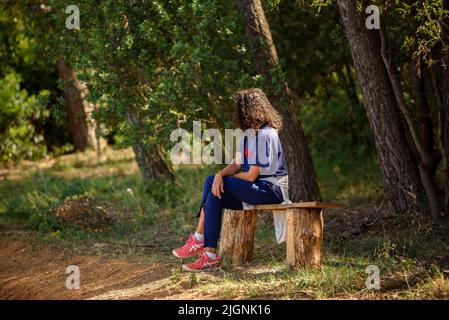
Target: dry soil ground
[35,272]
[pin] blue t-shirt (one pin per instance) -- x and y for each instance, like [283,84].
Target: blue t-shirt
[263,148]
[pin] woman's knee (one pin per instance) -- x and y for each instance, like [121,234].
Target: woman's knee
[209,181]
[213,206]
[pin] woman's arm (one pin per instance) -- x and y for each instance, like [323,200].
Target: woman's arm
[229,170]
[250,176]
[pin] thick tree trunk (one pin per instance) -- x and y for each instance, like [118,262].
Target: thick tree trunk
[303,185]
[304,237]
[399,168]
[420,129]
[444,112]
[237,235]
[150,160]
[78,109]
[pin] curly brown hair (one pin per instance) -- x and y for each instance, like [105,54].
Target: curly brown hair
[254,109]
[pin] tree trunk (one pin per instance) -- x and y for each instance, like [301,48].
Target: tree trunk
[78,109]
[399,168]
[444,133]
[304,237]
[237,235]
[444,111]
[150,160]
[303,185]
[420,128]
[428,166]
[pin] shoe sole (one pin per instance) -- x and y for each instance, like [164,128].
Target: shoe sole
[214,268]
[195,254]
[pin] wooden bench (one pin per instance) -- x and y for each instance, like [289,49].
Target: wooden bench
[304,234]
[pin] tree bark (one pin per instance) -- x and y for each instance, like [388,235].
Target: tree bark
[303,185]
[420,127]
[304,237]
[444,111]
[237,235]
[397,162]
[78,109]
[150,160]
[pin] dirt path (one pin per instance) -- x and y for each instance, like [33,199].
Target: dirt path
[27,272]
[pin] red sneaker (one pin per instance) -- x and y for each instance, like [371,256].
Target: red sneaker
[203,263]
[191,248]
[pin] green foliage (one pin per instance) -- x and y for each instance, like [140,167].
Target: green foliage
[416,24]
[41,218]
[29,79]
[76,187]
[424,29]
[168,62]
[342,148]
[18,114]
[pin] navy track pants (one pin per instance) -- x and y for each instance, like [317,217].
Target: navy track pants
[235,191]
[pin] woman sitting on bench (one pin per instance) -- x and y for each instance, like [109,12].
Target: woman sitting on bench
[257,175]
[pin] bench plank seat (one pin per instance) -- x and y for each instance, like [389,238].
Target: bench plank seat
[312,204]
[304,233]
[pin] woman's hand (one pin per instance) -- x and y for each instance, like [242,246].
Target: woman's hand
[218,185]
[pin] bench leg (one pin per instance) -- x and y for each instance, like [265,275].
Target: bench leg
[237,235]
[304,237]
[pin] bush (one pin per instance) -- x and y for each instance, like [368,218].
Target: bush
[41,217]
[18,114]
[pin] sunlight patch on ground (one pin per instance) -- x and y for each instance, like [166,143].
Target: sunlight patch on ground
[77,165]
